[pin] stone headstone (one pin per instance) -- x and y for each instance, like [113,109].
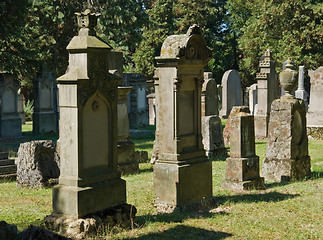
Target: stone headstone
[253,98]
[242,167]
[10,122]
[287,147]
[126,148]
[315,110]
[20,107]
[138,109]
[230,124]
[152,108]
[231,92]
[37,164]
[182,172]
[300,93]
[88,97]
[45,114]
[212,137]
[267,84]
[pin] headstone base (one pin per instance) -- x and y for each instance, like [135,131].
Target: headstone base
[182,183]
[44,122]
[261,127]
[257,183]
[83,228]
[286,170]
[79,201]
[127,163]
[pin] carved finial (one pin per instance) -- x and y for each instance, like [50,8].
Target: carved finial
[87,21]
[194,29]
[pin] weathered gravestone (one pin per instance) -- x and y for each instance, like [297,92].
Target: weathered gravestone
[90,181]
[10,122]
[152,108]
[231,92]
[138,110]
[126,148]
[253,98]
[242,167]
[315,110]
[45,114]
[37,164]
[267,91]
[182,172]
[20,106]
[300,93]
[212,137]
[287,147]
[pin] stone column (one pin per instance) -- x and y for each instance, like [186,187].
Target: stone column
[182,173]
[44,116]
[88,95]
[10,122]
[267,91]
[242,167]
[287,147]
[300,93]
[126,148]
[211,123]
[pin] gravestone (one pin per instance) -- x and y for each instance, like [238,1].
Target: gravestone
[300,93]
[231,92]
[242,167]
[211,123]
[315,110]
[267,91]
[138,109]
[8,167]
[10,122]
[152,108]
[253,98]
[287,147]
[20,106]
[44,116]
[89,181]
[37,164]
[126,148]
[182,172]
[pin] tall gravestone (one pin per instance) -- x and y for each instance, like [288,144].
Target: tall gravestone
[287,147]
[127,162]
[152,108]
[138,109]
[182,172]
[211,123]
[300,93]
[45,114]
[315,111]
[10,122]
[242,167]
[20,106]
[88,92]
[253,97]
[267,91]
[231,92]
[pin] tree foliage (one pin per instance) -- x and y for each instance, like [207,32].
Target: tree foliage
[289,28]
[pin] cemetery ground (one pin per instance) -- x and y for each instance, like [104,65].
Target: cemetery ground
[282,211]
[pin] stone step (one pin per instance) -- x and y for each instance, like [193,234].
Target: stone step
[5,162]
[8,169]
[3,155]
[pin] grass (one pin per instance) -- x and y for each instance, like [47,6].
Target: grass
[283,211]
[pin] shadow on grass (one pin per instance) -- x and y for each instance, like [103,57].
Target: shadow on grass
[185,232]
[316,175]
[145,170]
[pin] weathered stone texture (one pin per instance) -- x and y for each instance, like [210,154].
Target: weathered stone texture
[37,163]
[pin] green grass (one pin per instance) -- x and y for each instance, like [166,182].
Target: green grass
[282,211]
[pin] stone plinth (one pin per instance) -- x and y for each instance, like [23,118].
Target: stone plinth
[182,172]
[10,122]
[242,167]
[88,97]
[287,148]
[127,163]
[37,164]
[44,116]
[267,84]
[231,92]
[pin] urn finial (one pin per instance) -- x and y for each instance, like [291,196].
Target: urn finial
[288,78]
[87,21]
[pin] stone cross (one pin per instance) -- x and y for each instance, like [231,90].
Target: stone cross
[182,173]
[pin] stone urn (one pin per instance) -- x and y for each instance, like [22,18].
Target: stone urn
[288,78]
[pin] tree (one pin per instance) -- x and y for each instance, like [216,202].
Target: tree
[289,28]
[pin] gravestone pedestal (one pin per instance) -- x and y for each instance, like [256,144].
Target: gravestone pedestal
[287,148]
[182,172]
[242,167]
